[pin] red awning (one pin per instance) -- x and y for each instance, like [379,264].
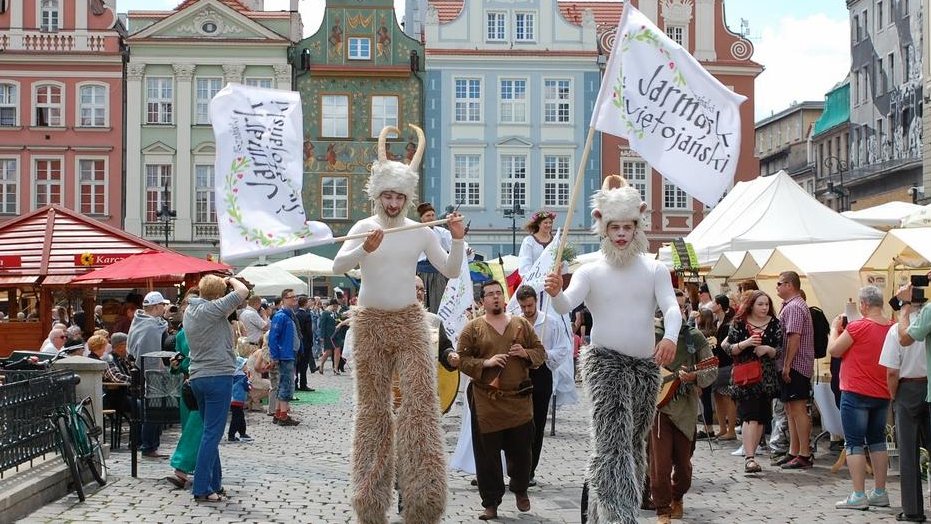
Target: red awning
[153,265]
[14,280]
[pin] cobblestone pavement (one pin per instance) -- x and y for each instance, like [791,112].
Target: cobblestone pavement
[301,474]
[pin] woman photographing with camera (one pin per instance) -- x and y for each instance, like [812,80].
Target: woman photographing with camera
[213,363]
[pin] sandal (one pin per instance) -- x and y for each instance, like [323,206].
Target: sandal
[751,466]
[177,481]
[212,498]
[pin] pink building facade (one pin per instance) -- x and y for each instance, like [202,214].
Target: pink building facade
[61,108]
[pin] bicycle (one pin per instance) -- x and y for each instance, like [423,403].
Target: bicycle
[80,446]
[77,429]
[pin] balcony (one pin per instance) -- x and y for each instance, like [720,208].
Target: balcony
[41,41]
[156,231]
[205,232]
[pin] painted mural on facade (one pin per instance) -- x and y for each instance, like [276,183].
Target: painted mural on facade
[360,56]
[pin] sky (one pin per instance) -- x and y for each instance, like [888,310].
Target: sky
[804,45]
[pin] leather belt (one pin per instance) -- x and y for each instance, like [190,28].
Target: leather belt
[914,379]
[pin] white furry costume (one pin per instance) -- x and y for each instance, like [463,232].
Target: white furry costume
[390,334]
[622,292]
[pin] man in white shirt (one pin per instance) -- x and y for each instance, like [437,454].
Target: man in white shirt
[434,281]
[907,378]
[390,333]
[621,367]
[556,344]
[54,342]
[256,325]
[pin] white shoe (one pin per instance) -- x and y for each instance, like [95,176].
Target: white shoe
[738,452]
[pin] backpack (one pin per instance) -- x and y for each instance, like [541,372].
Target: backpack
[820,330]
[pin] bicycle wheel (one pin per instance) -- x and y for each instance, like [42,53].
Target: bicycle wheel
[93,455]
[67,453]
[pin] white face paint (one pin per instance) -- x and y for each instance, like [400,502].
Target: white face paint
[393,203]
[623,241]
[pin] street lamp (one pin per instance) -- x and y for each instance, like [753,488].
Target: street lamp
[166,215]
[833,163]
[512,213]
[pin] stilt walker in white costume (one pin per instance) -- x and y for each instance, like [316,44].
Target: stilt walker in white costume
[391,334]
[621,367]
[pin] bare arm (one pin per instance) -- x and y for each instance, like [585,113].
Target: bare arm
[892,381]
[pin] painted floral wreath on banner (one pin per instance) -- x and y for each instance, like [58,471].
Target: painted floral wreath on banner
[236,174]
[645,36]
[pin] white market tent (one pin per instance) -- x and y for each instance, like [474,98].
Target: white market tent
[585,259]
[764,213]
[722,270]
[884,216]
[271,281]
[830,271]
[307,265]
[920,218]
[750,265]
[910,247]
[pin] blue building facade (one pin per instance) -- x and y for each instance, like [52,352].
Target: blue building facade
[509,92]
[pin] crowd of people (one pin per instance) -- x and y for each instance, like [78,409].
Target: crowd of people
[738,359]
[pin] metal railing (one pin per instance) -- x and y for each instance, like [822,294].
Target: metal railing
[27,399]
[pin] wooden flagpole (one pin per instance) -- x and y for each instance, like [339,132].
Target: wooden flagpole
[399,229]
[576,190]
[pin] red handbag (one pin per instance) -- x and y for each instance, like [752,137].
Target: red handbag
[747,373]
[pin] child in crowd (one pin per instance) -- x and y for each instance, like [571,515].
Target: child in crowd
[240,393]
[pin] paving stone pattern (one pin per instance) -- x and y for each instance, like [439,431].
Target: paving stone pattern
[301,474]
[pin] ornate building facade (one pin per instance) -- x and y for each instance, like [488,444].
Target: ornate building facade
[782,143]
[357,74]
[180,59]
[61,108]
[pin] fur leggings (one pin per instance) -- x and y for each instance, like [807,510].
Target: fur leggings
[385,341]
[623,394]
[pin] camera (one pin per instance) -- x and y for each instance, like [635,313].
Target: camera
[920,281]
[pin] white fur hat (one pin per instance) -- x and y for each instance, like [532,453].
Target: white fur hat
[616,201]
[390,175]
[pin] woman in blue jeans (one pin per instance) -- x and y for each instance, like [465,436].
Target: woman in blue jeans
[213,363]
[864,397]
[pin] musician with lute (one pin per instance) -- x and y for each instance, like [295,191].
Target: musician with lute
[673,434]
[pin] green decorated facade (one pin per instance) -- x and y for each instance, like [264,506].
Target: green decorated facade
[356,74]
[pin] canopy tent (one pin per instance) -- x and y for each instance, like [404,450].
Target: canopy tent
[270,281]
[767,212]
[909,247]
[722,270]
[828,281]
[509,263]
[884,216]
[307,265]
[152,266]
[920,218]
[583,259]
[750,265]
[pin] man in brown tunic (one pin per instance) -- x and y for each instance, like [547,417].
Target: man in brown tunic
[498,351]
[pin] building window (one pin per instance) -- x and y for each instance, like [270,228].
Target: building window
[495,28]
[48,178]
[335,198]
[205,211]
[157,177]
[159,93]
[673,197]
[879,16]
[866,24]
[335,116]
[556,180]
[9,181]
[513,181]
[467,180]
[676,33]
[890,63]
[48,106]
[513,109]
[92,186]
[384,113]
[635,172]
[880,77]
[864,83]
[556,101]
[9,105]
[468,100]
[856,28]
[524,27]
[93,105]
[360,48]
[49,16]
[206,89]
[906,63]
[266,83]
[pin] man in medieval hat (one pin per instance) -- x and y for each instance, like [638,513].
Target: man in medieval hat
[391,334]
[621,368]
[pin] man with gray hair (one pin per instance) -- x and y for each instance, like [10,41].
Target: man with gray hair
[54,342]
